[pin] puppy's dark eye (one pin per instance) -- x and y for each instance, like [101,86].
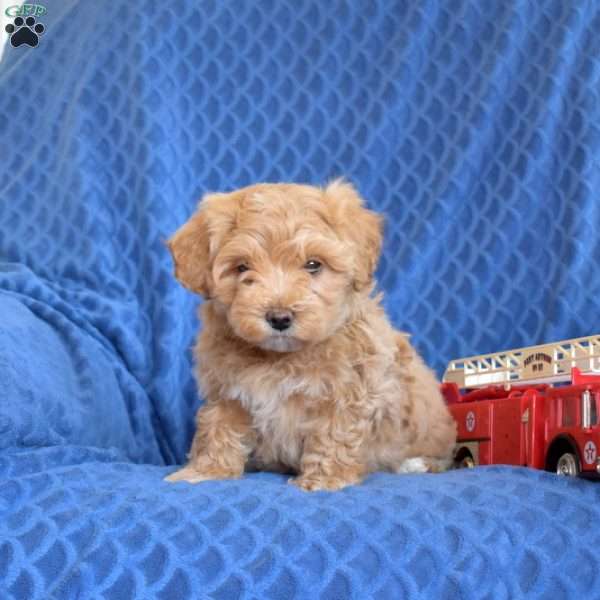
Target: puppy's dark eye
[313,266]
[242,268]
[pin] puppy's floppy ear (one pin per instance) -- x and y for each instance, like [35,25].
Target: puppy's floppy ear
[357,225]
[195,244]
[190,250]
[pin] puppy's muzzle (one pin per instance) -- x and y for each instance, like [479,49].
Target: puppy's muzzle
[280,320]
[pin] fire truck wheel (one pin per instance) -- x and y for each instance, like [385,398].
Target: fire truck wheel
[568,465]
[467,462]
[463,459]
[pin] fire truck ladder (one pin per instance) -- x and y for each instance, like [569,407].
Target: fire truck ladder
[546,363]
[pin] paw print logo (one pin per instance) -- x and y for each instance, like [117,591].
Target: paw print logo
[25,31]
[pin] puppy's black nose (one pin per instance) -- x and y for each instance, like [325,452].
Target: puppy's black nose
[279,319]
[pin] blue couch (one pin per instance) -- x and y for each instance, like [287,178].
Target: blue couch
[474,127]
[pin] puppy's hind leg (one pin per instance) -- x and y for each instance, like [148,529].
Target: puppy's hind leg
[424,464]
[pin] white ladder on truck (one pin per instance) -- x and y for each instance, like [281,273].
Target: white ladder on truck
[545,363]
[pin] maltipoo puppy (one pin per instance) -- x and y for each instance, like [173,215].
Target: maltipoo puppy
[299,367]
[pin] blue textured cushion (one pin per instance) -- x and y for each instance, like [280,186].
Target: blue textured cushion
[76,523]
[474,127]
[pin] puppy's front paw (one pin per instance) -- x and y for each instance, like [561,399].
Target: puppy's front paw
[314,483]
[193,475]
[188,474]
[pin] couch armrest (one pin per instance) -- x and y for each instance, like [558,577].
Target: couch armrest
[60,385]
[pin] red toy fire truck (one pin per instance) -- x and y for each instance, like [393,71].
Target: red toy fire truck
[537,406]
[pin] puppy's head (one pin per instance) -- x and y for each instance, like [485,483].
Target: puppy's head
[283,263]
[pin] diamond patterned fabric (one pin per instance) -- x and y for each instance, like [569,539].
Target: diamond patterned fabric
[474,127]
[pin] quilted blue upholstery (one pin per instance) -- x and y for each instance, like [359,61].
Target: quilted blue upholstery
[473,126]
